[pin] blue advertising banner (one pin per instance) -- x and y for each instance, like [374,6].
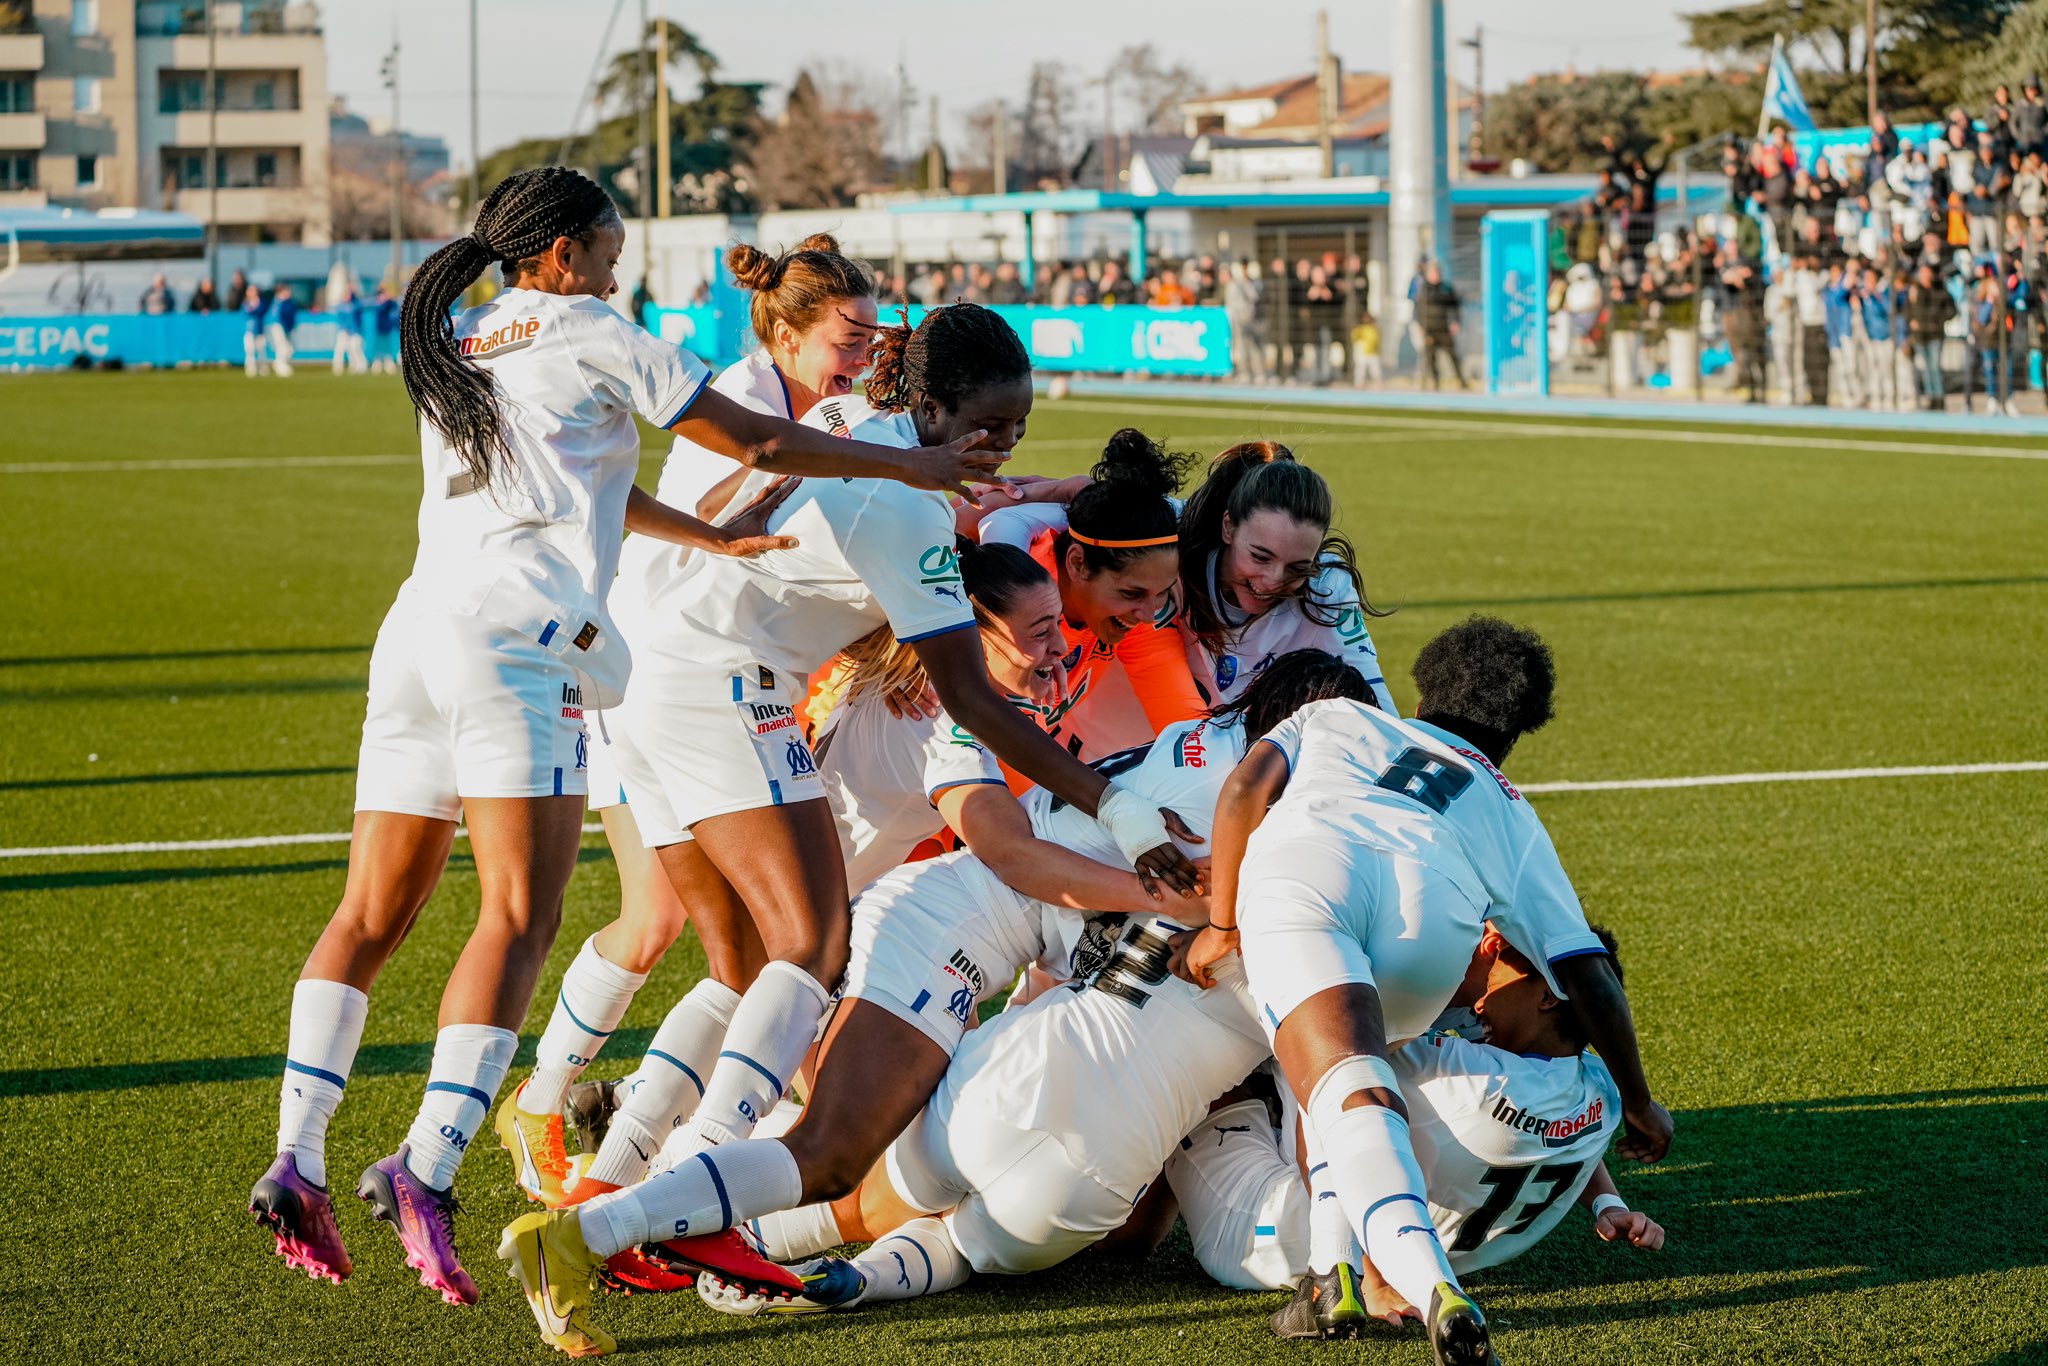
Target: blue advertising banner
[1516,270]
[161,339]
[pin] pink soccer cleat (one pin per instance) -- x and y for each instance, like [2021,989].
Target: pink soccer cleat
[302,1217]
[425,1221]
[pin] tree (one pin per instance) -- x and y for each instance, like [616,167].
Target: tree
[1048,136]
[2021,51]
[1556,122]
[823,148]
[1152,90]
[980,128]
[1917,43]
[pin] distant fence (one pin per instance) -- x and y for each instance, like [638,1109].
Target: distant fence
[1122,340]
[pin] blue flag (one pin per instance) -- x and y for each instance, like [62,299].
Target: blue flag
[1782,100]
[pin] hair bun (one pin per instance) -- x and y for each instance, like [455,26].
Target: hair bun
[820,241]
[753,268]
[1134,462]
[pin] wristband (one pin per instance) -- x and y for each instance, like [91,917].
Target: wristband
[1134,823]
[1604,1203]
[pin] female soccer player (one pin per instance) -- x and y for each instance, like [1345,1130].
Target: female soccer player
[1115,552]
[483,666]
[813,311]
[1261,573]
[708,738]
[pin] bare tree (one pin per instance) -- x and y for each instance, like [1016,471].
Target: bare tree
[823,148]
[1050,132]
[1152,90]
[979,132]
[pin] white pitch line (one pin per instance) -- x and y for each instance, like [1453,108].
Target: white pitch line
[1309,419]
[1819,775]
[225,462]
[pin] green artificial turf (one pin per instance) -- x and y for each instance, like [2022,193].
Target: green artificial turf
[1839,985]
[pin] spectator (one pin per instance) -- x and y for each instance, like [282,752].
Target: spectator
[1780,325]
[284,316]
[1989,183]
[1742,287]
[204,299]
[349,355]
[1879,305]
[1839,299]
[384,331]
[931,288]
[2030,119]
[238,289]
[255,318]
[1365,352]
[1929,309]
[1243,297]
[1115,288]
[643,305]
[1988,336]
[1809,307]
[1436,313]
[1007,287]
[2030,189]
[1081,289]
[1167,291]
[157,298]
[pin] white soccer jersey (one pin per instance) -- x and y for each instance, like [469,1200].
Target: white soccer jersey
[1506,1141]
[1413,790]
[1337,626]
[540,543]
[690,471]
[1117,1067]
[871,552]
[883,773]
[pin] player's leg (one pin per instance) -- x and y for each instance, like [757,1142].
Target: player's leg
[1245,1207]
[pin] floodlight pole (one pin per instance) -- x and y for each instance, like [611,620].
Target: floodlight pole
[397,171]
[212,158]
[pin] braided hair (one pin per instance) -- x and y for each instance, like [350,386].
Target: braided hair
[1252,477]
[515,225]
[958,350]
[1124,514]
[1290,683]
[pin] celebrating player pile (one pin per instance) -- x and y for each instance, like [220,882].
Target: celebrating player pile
[894,756]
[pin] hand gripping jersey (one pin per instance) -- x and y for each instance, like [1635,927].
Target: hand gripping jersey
[1507,1142]
[539,543]
[872,551]
[1416,792]
[883,773]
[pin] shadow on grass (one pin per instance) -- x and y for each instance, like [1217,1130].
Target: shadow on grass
[217,775]
[193,689]
[1736,591]
[128,877]
[170,656]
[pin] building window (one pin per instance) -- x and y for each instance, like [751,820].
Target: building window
[263,95]
[85,94]
[181,94]
[85,18]
[88,172]
[17,95]
[17,171]
[192,171]
[266,168]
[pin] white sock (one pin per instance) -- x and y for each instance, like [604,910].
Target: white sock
[1330,1239]
[776,1021]
[1372,1166]
[327,1025]
[918,1259]
[594,996]
[712,1191]
[791,1235]
[470,1062]
[665,1088]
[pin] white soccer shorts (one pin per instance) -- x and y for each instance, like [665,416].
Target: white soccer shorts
[929,946]
[1319,911]
[1244,1203]
[695,741]
[462,706]
[1018,1203]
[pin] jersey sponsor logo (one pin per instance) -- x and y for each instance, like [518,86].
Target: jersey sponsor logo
[1189,751]
[938,569]
[961,738]
[835,419]
[1351,627]
[1480,759]
[797,755]
[961,968]
[572,695]
[1555,1133]
[1226,671]
[770,717]
[582,751]
[513,336]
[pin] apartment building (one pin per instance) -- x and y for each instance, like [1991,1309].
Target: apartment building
[105,104]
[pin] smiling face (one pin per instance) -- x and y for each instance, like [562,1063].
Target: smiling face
[1111,602]
[1023,646]
[998,410]
[1266,559]
[825,359]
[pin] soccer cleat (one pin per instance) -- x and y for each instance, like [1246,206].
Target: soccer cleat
[829,1283]
[425,1221]
[731,1260]
[539,1159]
[302,1216]
[1324,1307]
[555,1267]
[589,1110]
[1457,1330]
[633,1272]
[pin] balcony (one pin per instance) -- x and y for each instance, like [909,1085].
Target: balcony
[21,51]
[23,131]
[280,204]
[239,52]
[243,128]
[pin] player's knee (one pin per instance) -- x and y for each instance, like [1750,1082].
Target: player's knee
[1361,1079]
[831,1171]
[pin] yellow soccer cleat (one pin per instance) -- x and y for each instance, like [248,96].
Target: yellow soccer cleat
[556,1270]
[540,1159]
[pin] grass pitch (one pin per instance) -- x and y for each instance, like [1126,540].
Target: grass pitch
[1839,985]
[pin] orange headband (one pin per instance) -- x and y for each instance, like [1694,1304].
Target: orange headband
[1124,545]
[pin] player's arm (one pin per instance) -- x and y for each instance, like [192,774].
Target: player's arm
[959,675]
[776,445]
[1250,791]
[1598,1003]
[1613,1220]
[745,533]
[1155,660]
[995,826]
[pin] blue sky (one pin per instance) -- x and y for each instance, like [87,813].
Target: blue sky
[537,53]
